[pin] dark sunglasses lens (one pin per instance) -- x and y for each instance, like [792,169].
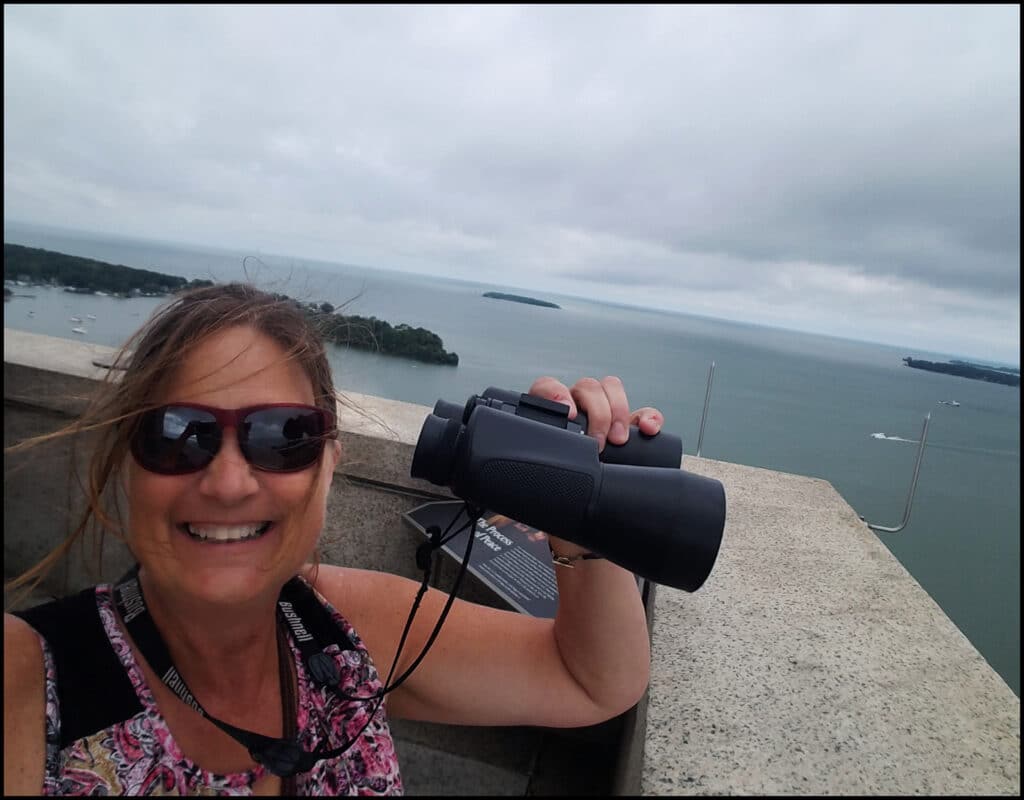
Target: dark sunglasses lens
[175,440]
[283,439]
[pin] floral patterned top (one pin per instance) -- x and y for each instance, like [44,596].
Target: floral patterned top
[140,756]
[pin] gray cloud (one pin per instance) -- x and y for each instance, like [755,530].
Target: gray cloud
[707,159]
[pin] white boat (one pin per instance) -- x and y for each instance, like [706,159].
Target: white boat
[90,316]
[953,403]
[79,330]
[75,319]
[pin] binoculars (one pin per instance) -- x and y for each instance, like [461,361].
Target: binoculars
[522,456]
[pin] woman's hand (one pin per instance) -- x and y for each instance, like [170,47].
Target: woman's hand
[604,402]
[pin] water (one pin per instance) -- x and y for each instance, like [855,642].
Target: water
[780,400]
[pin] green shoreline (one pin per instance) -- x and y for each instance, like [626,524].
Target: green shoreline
[35,266]
[965,369]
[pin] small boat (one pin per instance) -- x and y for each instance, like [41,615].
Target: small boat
[90,316]
[79,330]
[953,403]
[75,319]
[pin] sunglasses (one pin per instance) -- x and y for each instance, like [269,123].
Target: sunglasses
[277,437]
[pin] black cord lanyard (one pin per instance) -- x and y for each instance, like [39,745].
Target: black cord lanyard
[284,757]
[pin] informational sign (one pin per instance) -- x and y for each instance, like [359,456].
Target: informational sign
[510,557]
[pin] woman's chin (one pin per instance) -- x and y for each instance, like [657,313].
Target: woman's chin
[213,586]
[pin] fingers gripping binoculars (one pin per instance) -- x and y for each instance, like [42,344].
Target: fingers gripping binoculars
[522,456]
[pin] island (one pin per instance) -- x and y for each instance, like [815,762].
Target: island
[1007,376]
[370,333]
[518,298]
[34,266]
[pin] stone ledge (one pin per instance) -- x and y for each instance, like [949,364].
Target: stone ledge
[811,662]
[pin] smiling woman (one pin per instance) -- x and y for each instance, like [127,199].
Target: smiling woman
[229,659]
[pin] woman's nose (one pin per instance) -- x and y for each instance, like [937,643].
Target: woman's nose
[229,477]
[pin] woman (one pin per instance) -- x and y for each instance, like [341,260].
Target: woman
[220,436]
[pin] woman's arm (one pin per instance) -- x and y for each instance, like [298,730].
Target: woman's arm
[495,667]
[24,709]
[492,667]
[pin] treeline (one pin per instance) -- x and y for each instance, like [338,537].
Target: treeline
[1011,370]
[966,370]
[34,265]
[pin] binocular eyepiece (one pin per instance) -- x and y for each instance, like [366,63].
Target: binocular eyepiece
[522,456]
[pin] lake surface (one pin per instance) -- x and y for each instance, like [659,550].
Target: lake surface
[780,400]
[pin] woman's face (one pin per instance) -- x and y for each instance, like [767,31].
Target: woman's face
[174,520]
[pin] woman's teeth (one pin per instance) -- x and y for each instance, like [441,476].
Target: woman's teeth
[226,533]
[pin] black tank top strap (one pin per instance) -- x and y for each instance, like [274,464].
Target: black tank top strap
[93,689]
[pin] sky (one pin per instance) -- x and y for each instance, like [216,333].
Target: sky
[845,170]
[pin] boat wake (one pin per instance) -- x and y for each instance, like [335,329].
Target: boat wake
[893,438]
[983,451]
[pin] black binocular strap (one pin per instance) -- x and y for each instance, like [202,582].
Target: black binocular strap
[315,618]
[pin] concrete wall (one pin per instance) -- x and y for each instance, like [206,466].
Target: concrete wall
[811,662]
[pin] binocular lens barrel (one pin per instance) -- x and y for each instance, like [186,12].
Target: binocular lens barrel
[442,408]
[434,457]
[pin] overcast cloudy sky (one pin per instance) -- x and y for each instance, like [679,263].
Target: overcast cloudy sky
[843,170]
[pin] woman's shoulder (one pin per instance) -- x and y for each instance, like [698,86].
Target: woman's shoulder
[23,660]
[24,708]
[22,651]
[358,593]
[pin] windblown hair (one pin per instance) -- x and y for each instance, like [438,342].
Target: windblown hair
[143,368]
